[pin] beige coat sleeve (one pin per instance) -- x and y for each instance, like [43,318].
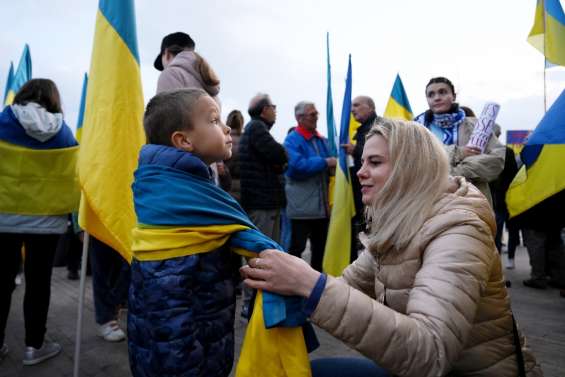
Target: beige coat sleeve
[442,304]
[485,167]
[361,274]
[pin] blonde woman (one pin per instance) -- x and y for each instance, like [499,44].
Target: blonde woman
[427,296]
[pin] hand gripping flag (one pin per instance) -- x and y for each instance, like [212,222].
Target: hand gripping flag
[113,130]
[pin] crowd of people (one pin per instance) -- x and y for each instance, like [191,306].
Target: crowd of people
[424,294]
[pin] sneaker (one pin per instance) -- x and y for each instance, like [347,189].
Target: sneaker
[4,351]
[535,283]
[510,265]
[111,332]
[34,356]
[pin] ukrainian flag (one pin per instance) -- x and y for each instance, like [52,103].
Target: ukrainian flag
[22,75]
[398,106]
[338,244]
[80,120]
[548,33]
[9,81]
[542,174]
[112,133]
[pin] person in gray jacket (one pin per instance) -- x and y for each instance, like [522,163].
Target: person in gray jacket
[307,178]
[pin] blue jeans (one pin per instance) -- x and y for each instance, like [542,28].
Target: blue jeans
[346,367]
[110,280]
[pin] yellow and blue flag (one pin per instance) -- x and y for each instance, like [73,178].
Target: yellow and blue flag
[21,76]
[548,33]
[332,132]
[80,119]
[36,177]
[9,80]
[112,133]
[398,106]
[338,244]
[541,176]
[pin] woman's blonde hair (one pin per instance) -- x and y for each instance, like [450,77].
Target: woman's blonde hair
[419,176]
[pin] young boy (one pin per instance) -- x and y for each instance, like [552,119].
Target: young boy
[182,297]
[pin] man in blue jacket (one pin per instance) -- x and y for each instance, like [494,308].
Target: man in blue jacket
[307,178]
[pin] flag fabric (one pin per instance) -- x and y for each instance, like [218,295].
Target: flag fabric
[338,244]
[332,133]
[21,76]
[398,106]
[80,119]
[548,33]
[112,134]
[182,213]
[9,80]
[541,176]
[36,178]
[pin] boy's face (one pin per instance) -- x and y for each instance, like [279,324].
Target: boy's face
[209,137]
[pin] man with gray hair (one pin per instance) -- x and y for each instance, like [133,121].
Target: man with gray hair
[307,180]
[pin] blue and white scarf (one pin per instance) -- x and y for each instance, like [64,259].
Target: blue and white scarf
[444,126]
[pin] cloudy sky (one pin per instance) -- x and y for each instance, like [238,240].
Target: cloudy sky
[279,48]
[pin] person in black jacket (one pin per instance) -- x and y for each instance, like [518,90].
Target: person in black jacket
[262,162]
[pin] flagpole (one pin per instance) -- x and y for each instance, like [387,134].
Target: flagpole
[78,339]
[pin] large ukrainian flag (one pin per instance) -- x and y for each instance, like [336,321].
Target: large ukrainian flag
[338,244]
[9,80]
[80,119]
[398,106]
[548,33]
[542,175]
[22,75]
[113,132]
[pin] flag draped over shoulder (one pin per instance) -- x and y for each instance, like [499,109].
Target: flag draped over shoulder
[113,132]
[548,33]
[542,174]
[80,119]
[21,76]
[9,80]
[398,106]
[338,244]
[182,213]
[36,178]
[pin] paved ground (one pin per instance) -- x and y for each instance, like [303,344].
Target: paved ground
[541,315]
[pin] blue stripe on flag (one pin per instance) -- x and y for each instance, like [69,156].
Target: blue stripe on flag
[121,15]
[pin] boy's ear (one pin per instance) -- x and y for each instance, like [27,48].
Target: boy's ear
[180,140]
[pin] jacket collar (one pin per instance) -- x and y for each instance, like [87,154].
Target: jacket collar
[306,133]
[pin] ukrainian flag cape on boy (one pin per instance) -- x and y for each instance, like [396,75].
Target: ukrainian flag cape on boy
[181,212]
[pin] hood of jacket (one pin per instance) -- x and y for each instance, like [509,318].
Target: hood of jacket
[37,122]
[186,61]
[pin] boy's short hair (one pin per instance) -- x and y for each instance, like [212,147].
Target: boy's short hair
[168,112]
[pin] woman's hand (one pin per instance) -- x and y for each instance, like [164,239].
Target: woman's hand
[279,272]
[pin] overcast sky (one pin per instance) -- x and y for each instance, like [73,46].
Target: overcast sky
[279,48]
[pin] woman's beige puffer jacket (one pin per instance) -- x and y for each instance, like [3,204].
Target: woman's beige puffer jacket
[437,308]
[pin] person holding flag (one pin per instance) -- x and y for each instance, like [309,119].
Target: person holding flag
[427,295]
[39,190]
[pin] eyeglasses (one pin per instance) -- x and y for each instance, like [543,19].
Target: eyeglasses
[311,115]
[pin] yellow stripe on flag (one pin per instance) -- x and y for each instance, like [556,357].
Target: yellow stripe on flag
[45,181]
[111,139]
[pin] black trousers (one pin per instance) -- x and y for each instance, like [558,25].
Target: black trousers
[317,231]
[38,264]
